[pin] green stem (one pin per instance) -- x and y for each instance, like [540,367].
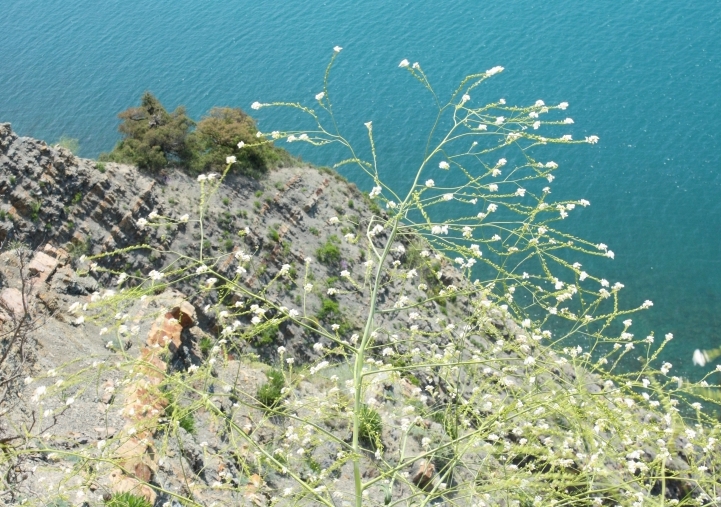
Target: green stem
[358,368]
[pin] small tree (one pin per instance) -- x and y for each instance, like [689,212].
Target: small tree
[152,137]
[217,137]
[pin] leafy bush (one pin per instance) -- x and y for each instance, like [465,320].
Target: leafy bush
[217,136]
[127,500]
[329,252]
[370,426]
[270,393]
[152,137]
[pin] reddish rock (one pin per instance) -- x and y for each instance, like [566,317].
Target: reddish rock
[423,475]
[185,314]
[42,266]
[12,299]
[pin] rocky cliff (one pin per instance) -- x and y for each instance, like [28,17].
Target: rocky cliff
[87,402]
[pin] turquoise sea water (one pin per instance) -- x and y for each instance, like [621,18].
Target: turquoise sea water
[645,76]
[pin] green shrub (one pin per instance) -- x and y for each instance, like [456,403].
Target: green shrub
[217,136]
[152,137]
[329,252]
[329,309]
[127,500]
[100,166]
[205,344]
[370,426]
[267,336]
[269,394]
[174,411]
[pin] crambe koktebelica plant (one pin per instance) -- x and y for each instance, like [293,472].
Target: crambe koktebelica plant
[422,386]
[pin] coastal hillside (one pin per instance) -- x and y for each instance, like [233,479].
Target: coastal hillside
[177,339]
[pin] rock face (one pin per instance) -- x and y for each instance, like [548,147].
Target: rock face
[63,207]
[50,197]
[90,390]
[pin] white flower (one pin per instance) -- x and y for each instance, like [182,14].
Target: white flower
[404,63]
[293,312]
[430,183]
[210,282]
[38,393]
[563,105]
[345,273]
[699,358]
[493,187]
[308,260]
[241,144]
[444,165]
[536,125]
[281,350]
[567,137]
[500,119]
[492,207]
[155,275]
[256,105]
[501,162]
[284,270]
[447,197]
[521,192]
[610,254]
[230,160]
[647,304]
[568,121]
[202,177]
[337,49]
[141,222]
[69,401]
[331,291]
[376,191]
[333,220]
[540,103]
[319,96]
[494,70]
[184,218]
[465,98]
[592,139]
[602,246]
[308,287]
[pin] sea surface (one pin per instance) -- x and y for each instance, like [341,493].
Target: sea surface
[643,75]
